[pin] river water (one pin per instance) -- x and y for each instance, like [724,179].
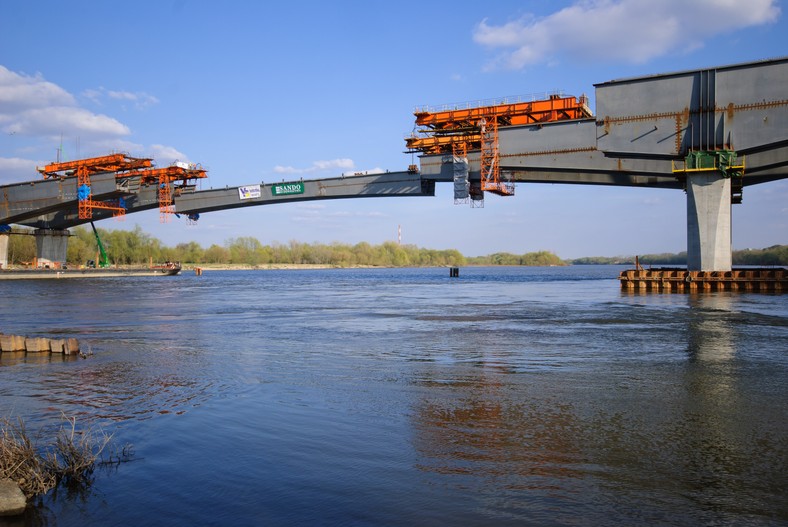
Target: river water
[507,396]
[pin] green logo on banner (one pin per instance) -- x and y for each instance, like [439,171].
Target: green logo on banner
[287,188]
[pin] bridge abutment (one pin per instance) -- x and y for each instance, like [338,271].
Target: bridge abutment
[51,247]
[709,222]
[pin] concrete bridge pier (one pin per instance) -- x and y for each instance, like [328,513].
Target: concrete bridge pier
[709,222]
[51,247]
[4,250]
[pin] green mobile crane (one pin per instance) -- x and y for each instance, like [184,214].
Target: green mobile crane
[104,260]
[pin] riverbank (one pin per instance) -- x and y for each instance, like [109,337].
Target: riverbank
[281,266]
[269,267]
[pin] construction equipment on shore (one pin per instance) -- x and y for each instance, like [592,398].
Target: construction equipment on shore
[103,260]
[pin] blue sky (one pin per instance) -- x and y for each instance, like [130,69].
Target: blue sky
[264,91]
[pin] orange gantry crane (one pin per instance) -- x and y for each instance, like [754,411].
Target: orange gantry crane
[459,128]
[164,178]
[83,168]
[125,168]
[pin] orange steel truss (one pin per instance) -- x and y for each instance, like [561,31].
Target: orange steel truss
[164,178]
[459,149]
[489,164]
[84,205]
[166,207]
[83,168]
[447,126]
[93,165]
[124,167]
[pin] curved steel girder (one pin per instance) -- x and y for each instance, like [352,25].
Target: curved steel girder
[389,184]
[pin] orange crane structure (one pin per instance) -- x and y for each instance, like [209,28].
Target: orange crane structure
[126,168]
[457,129]
[165,178]
[83,168]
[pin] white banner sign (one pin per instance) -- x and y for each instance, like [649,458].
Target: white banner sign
[249,192]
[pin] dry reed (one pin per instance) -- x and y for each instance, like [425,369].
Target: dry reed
[71,459]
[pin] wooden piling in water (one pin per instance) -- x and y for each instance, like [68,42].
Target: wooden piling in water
[71,347]
[12,343]
[38,345]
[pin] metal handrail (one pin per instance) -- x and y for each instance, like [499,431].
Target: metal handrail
[481,103]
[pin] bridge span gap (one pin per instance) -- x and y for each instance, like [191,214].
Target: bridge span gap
[691,131]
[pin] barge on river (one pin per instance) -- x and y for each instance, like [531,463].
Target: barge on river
[88,272]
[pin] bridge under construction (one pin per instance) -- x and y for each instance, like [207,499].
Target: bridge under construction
[709,132]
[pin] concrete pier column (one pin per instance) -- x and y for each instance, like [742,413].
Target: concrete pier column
[51,247]
[4,250]
[709,222]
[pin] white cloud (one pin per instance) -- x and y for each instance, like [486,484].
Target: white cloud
[140,99]
[334,163]
[114,144]
[166,155]
[54,120]
[310,206]
[32,106]
[19,91]
[627,30]
[13,169]
[93,95]
[349,214]
[342,163]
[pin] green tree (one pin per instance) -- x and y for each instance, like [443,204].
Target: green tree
[244,250]
[216,254]
[21,249]
[363,254]
[81,247]
[191,252]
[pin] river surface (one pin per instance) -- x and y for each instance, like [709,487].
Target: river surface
[507,396]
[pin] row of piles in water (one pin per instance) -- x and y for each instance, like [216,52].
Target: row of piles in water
[770,280]
[19,343]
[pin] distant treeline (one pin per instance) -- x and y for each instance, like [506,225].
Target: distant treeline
[774,255]
[540,258]
[137,247]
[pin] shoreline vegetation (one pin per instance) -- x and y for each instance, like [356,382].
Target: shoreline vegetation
[36,463]
[135,248]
